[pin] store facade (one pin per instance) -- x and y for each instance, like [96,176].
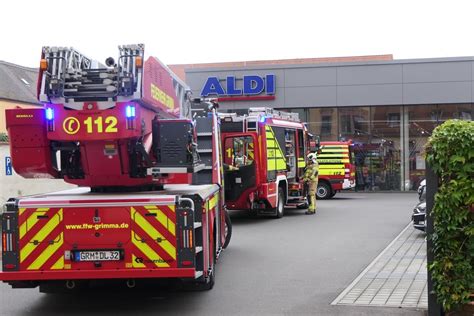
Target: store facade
[388,108]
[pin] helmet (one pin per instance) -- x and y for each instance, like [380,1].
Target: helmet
[312,157]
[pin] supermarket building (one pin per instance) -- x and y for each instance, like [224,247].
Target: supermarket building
[388,107]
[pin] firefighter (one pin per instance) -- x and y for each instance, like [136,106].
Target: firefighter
[239,158]
[311,180]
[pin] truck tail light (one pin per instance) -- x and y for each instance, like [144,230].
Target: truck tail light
[9,266]
[4,241]
[347,171]
[8,242]
[187,240]
[10,258]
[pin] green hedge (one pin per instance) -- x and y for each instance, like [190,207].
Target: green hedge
[450,153]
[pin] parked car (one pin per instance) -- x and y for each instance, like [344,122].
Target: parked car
[419,212]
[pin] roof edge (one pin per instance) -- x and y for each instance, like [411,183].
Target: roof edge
[20,101]
[19,66]
[335,64]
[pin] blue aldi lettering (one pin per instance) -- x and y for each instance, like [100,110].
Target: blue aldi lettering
[252,85]
[231,89]
[212,86]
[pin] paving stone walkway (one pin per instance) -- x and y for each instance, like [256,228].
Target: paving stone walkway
[396,278]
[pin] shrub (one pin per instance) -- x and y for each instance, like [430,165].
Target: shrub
[3,137]
[450,153]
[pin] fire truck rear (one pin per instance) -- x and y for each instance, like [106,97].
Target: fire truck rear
[336,168]
[147,206]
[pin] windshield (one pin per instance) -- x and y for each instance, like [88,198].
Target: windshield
[239,151]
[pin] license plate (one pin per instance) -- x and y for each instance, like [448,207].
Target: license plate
[101,255]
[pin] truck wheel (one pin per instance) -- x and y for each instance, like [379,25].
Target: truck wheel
[332,194]
[228,229]
[323,191]
[208,282]
[280,208]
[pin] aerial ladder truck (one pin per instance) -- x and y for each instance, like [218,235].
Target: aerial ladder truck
[147,206]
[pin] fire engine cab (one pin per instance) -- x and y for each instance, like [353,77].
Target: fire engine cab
[264,159]
[147,205]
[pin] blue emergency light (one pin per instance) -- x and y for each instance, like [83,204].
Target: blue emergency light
[130,111]
[49,114]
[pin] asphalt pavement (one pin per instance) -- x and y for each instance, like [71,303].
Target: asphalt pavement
[296,265]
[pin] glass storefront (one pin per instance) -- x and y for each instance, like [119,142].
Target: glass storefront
[388,140]
[422,119]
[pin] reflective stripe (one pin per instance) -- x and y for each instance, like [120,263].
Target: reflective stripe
[301,163]
[153,233]
[46,254]
[31,220]
[58,264]
[340,155]
[330,166]
[136,263]
[331,172]
[150,253]
[250,151]
[41,235]
[334,146]
[213,201]
[275,157]
[162,218]
[333,160]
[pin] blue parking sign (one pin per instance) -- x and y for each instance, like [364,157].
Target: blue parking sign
[8,166]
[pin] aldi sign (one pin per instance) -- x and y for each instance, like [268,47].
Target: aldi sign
[250,87]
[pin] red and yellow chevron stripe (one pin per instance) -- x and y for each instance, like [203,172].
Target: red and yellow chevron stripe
[153,235]
[41,238]
[152,238]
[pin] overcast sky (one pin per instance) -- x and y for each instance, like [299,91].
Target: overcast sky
[213,31]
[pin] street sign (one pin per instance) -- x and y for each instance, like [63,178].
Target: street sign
[8,166]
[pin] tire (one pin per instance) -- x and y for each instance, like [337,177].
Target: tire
[332,194]
[228,229]
[280,208]
[208,282]
[323,191]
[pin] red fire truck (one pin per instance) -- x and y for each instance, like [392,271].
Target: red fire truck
[336,168]
[265,154]
[147,206]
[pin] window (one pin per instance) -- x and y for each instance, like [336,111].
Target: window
[323,122]
[239,151]
[326,125]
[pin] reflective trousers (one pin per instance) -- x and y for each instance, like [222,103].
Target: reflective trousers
[312,187]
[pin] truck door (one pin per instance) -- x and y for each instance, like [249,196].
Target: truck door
[290,153]
[302,148]
[239,165]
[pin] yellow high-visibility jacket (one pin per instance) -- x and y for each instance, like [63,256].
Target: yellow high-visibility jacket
[311,172]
